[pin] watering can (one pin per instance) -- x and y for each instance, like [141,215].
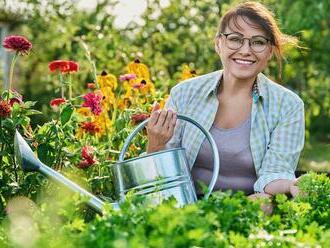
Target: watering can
[157,176]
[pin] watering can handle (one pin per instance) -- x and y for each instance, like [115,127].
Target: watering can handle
[215,153]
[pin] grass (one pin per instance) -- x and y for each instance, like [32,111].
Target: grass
[315,156]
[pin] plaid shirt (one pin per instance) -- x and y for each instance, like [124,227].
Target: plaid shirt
[277,124]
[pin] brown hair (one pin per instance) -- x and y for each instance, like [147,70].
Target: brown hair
[259,15]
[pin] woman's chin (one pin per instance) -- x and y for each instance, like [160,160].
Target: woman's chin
[243,75]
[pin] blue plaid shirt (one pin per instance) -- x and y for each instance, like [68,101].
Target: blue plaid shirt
[277,124]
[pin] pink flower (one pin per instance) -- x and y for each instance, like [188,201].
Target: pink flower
[57,101]
[64,66]
[88,158]
[127,77]
[93,101]
[17,43]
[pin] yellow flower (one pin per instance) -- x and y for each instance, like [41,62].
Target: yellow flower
[163,101]
[104,123]
[123,103]
[108,96]
[139,69]
[84,111]
[187,73]
[144,86]
[107,80]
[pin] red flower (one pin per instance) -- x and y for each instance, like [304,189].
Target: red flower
[90,127]
[18,44]
[83,164]
[57,102]
[64,66]
[15,100]
[93,101]
[137,118]
[88,157]
[91,86]
[5,109]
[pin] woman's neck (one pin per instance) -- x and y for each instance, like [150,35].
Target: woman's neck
[231,86]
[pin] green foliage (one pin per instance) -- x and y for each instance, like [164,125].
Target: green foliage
[224,220]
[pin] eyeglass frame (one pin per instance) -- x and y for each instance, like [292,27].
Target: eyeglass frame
[244,38]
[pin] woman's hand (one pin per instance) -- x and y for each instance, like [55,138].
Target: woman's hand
[160,128]
[267,206]
[293,188]
[283,186]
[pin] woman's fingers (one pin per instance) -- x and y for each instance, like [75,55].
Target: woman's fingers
[155,107]
[171,120]
[162,118]
[153,118]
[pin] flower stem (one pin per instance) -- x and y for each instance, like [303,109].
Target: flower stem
[70,87]
[89,58]
[11,73]
[62,85]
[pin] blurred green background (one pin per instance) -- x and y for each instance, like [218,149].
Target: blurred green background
[166,37]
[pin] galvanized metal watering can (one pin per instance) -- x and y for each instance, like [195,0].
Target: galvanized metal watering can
[157,176]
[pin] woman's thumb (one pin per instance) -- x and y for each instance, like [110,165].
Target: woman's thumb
[155,107]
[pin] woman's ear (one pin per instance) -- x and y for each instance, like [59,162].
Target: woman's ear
[216,45]
[271,53]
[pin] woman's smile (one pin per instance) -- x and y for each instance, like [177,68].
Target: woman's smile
[244,62]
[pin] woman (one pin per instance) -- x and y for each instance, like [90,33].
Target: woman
[258,125]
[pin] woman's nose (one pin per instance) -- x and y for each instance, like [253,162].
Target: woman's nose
[245,48]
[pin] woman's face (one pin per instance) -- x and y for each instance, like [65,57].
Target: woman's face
[243,63]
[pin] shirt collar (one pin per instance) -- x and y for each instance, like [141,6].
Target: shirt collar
[260,89]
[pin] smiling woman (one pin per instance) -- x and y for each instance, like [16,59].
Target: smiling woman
[258,125]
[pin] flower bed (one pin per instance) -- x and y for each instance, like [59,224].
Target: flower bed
[86,136]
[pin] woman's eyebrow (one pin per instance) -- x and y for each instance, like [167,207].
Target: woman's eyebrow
[234,32]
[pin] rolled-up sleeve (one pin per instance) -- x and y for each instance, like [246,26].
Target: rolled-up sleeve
[284,148]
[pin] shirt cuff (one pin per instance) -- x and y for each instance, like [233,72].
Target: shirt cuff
[263,180]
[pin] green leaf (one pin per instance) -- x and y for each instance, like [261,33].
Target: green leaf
[66,114]
[46,153]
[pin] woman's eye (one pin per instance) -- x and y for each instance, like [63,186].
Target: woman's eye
[236,39]
[258,42]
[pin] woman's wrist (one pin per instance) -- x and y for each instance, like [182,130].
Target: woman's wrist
[280,186]
[154,148]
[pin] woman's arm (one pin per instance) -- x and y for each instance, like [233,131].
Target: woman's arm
[276,174]
[282,186]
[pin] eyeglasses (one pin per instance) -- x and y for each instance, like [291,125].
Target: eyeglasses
[235,41]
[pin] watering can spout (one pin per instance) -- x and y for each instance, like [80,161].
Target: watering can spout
[24,155]
[29,162]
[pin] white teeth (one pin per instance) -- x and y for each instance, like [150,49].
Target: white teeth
[245,62]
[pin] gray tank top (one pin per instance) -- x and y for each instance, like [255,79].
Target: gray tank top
[237,170]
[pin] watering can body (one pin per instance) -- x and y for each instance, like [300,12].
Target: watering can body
[157,176]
